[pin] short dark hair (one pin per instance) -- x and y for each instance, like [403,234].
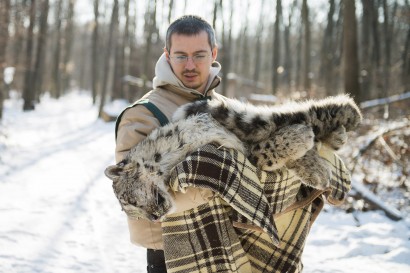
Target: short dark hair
[190,25]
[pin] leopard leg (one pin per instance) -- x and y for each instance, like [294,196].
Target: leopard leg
[312,169]
[337,138]
[288,143]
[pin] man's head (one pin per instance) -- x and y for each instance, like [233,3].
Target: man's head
[190,50]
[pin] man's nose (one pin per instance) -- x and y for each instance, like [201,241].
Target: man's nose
[190,63]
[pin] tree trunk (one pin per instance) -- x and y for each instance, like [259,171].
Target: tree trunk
[406,63]
[227,49]
[94,53]
[351,62]
[20,13]
[125,50]
[114,21]
[215,14]
[150,28]
[306,51]
[367,71]
[170,9]
[119,61]
[337,60]
[134,68]
[41,50]
[326,68]
[288,66]
[4,33]
[68,42]
[56,74]
[299,44]
[28,90]
[244,67]
[258,46]
[387,50]
[276,48]
[376,51]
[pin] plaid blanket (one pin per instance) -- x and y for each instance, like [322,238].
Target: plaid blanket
[257,221]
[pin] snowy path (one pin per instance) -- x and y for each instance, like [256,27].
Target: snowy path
[58,212]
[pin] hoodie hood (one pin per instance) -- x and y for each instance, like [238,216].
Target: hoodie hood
[165,76]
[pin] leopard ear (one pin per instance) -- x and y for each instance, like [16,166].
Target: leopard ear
[113,172]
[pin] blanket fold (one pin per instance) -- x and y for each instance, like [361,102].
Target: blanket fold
[256,222]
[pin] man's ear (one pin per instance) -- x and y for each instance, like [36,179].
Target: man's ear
[113,172]
[166,53]
[214,53]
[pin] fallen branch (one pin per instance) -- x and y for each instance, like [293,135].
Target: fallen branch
[383,101]
[373,199]
[377,137]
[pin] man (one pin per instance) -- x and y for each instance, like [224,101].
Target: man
[185,72]
[201,232]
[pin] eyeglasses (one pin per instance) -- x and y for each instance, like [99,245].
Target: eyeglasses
[183,59]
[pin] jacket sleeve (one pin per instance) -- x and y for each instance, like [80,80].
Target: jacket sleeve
[136,123]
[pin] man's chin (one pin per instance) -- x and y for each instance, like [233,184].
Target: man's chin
[192,85]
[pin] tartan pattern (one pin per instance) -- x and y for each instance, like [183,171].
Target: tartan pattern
[230,174]
[203,240]
[225,235]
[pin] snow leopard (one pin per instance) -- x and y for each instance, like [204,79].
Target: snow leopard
[139,181]
[271,137]
[267,130]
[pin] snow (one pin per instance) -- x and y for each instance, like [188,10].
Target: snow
[59,214]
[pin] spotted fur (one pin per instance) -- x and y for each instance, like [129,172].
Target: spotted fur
[139,181]
[271,137]
[281,135]
[257,123]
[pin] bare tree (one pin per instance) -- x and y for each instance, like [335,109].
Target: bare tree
[68,43]
[134,67]
[406,63]
[276,47]
[19,15]
[244,64]
[94,53]
[387,50]
[376,52]
[37,82]
[215,13]
[119,60]
[327,52]
[28,90]
[351,62]
[258,46]
[56,72]
[150,29]
[4,34]
[288,67]
[170,9]
[366,73]
[125,49]
[227,49]
[306,44]
[114,22]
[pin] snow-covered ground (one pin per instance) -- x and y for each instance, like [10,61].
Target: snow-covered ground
[59,214]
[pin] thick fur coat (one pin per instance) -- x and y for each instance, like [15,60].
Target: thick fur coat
[271,137]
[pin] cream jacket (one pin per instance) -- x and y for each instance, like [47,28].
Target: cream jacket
[137,122]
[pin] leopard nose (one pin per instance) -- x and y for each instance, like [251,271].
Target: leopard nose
[154,217]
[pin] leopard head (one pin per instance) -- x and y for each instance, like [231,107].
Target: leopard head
[140,189]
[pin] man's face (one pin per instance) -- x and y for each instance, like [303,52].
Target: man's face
[190,58]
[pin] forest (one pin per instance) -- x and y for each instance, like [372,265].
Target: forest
[296,48]
[270,51]
[65,63]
